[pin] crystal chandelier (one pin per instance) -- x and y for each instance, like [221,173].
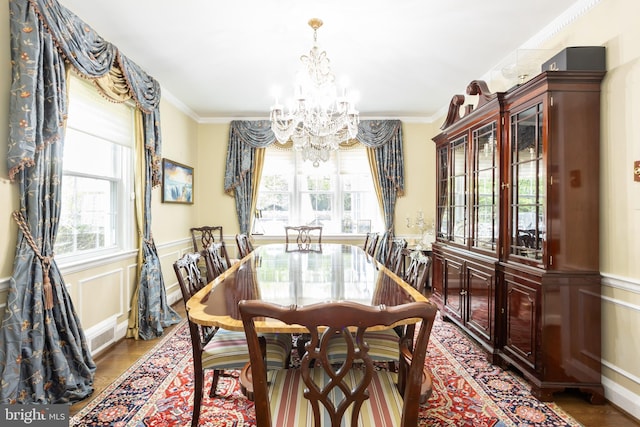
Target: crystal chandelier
[319,120]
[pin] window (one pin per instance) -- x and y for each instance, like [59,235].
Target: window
[96,215]
[338,194]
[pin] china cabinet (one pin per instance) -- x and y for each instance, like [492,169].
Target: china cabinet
[515,262]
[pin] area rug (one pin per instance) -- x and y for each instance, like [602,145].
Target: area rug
[467,391]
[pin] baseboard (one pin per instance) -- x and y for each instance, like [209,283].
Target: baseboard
[621,397]
[101,336]
[106,333]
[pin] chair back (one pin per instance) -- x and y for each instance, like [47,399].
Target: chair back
[370,243]
[417,274]
[190,281]
[395,257]
[202,237]
[244,245]
[304,235]
[216,260]
[188,275]
[337,391]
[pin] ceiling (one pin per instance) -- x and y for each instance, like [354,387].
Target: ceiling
[403,59]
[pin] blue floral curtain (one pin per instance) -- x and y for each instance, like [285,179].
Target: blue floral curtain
[246,138]
[150,311]
[44,356]
[383,138]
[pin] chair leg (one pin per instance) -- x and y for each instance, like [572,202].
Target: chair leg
[197,397]
[214,383]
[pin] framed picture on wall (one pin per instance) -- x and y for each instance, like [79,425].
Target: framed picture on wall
[177,182]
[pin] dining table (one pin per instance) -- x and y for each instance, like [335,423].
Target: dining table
[297,274]
[292,274]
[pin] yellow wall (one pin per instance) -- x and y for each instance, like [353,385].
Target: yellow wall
[214,206]
[101,291]
[420,177]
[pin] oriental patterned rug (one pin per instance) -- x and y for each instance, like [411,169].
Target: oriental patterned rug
[467,391]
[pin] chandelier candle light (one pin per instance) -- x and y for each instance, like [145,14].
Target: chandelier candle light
[319,120]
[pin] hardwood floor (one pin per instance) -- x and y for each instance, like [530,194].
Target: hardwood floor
[114,361]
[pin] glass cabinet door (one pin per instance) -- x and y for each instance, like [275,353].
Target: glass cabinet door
[528,184]
[459,191]
[442,209]
[484,216]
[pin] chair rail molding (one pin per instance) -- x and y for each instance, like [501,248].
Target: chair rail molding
[623,283]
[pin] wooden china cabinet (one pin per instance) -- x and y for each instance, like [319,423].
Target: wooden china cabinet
[516,257]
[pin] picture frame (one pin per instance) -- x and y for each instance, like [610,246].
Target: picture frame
[177,182]
[364,226]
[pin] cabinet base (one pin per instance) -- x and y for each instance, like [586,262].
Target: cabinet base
[545,392]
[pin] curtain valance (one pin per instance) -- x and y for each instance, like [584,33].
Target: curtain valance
[246,138]
[258,134]
[374,133]
[89,54]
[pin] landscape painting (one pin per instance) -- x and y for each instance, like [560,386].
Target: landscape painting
[177,182]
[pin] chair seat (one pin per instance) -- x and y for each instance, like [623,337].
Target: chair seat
[290,408]
[383,346]
[229,350]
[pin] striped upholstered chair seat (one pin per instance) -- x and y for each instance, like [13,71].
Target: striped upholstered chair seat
[383,347]
[290,408]
[338,394]
[228,350]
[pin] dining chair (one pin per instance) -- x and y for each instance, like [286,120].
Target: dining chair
[202,237]
[216,260]
[218,349]
[244,245]
[370,243]
[304,235]
[354,391]
[395,257]
[417,273]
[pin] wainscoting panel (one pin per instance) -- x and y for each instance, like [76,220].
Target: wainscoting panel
[100,297]
[621,342]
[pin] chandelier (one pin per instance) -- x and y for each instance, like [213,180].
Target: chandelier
[318,119]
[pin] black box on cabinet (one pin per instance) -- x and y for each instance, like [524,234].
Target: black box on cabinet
[578,58]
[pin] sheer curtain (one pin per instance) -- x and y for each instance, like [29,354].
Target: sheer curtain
[383,139]
[44,356]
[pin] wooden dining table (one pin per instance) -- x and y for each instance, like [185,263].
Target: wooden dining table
[292,274]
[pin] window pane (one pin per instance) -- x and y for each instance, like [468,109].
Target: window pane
[88,220]
[80,149]
[96,210]
[338,194]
